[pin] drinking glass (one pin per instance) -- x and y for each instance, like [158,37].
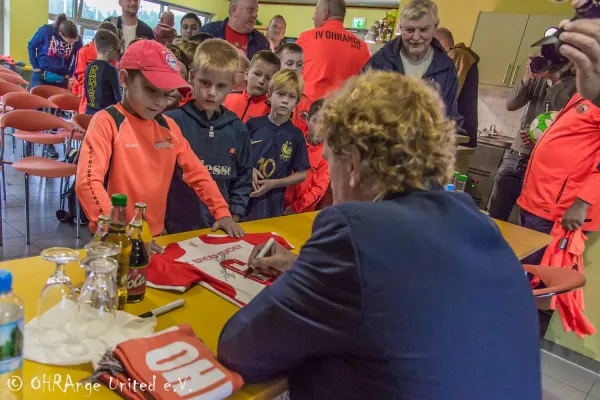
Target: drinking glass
[57,303]
[101,249]
[97,306]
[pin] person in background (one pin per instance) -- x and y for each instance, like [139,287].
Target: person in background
[175,98]
[417,53]
[190,25]
[533,92]
[164,33]
[332,54]
[217,137]
[238,28]
[201,37]
[465,60]
[140,147]
[305,196]
[563,176]
[279,154]
[292,57]
[52,53]
[276,32]
[128,23]
[253,102]
[85,56]
[101,86]
[330,323]
[241,80]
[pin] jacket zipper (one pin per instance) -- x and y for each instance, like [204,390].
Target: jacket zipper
[562,189]
[246,110]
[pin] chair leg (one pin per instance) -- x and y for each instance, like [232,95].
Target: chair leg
[27,236]
[77,217]
[3,183]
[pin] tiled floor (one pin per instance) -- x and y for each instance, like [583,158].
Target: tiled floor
[563,380]
[46,231]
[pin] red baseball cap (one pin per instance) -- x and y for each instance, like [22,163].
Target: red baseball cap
[156,63]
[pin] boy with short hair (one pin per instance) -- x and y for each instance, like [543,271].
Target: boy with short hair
[101,82]
[240,77]
[253,102]
[305,196]
[292,57]
[134,149]
[216,136]
[279,151]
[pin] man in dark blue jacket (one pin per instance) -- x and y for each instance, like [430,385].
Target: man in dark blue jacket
[129,25]
[417,53]
[239,30]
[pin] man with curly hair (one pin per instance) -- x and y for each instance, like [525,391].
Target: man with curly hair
[404,290]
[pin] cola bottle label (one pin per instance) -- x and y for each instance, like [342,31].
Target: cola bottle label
[136,283]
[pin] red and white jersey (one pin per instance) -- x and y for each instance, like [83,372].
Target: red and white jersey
[217,262]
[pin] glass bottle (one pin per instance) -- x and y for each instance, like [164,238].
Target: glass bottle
[138,264]
[103,222]
[454,180]
[462,183]
[117,234]
[140,215]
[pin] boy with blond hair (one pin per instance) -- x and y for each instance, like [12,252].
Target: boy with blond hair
[253,102]
[131,148]
[279,152]
[216,136]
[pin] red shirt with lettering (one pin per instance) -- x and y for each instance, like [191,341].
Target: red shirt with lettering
[239,40]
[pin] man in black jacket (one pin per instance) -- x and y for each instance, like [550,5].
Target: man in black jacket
[128,23]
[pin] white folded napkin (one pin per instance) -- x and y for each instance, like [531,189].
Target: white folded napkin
[66,345]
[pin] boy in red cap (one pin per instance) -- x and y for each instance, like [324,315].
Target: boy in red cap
[131,148]
[253,102]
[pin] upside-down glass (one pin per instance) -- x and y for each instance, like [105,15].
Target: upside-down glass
[97,306]
[56,305]
[101,249]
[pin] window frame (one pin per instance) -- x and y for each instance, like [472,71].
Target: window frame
[85,23]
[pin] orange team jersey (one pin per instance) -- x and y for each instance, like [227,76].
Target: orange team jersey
[332,54]
[246,107]
[85,56]
[142,156]
[305,196]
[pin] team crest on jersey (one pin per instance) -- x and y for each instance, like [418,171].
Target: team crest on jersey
[286,151]
[171,61]
[581,108]
[167,143]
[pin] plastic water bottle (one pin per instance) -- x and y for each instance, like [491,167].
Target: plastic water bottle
[449,187]
[12,334]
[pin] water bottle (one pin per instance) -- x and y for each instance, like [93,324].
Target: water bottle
[449,187]
[12,331]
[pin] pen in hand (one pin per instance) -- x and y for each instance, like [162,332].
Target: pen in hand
[263,252]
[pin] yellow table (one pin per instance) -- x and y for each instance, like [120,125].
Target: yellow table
[204,311]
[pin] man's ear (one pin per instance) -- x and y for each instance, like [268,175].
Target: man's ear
[123,78]
[354,167]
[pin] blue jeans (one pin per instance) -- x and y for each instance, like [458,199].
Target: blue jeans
[508,185]
[530,221]
[36,80]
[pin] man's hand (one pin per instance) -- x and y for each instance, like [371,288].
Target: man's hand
[581,44]
[263,187]
[228,225]
[526,138]
[574,217]
[277,261]
[256,177]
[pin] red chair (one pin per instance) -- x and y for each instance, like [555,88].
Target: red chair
[556,280]
[48,91]
[8,87]
[69,103]
[9,71]
[30,125]
[17,80]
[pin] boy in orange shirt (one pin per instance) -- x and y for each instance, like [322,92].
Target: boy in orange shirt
[292,57]
[132,149]
[253,102]
[305,196]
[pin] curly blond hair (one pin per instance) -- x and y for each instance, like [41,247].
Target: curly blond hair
[399,126]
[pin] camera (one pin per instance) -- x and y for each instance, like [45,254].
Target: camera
[550,43]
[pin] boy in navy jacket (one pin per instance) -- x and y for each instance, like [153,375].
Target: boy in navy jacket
[279,152]
[101,79]
[216,135]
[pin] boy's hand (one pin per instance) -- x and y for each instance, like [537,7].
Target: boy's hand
[256,177]
[228,225]
[156,249]
[236,218]
[263,187]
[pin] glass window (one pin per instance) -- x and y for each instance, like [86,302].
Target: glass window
[149,13]
[88,35]
[61,6]
[99,10]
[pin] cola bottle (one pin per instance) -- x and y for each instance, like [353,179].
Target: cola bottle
[138,264]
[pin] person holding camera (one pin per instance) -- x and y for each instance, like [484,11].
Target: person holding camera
[554,87]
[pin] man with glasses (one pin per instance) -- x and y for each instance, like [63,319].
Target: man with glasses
[238,29]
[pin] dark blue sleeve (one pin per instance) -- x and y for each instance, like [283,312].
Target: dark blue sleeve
[241,186]
[291,320]
[300,162]
[451,96]
[76,47]
[34,44]
[115,85]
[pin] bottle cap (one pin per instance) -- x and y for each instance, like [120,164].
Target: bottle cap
[449,187]
[119,200]
[455,173]
[463,178]
[140,205]
[5,281]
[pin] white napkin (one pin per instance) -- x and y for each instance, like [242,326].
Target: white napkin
[65,345]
